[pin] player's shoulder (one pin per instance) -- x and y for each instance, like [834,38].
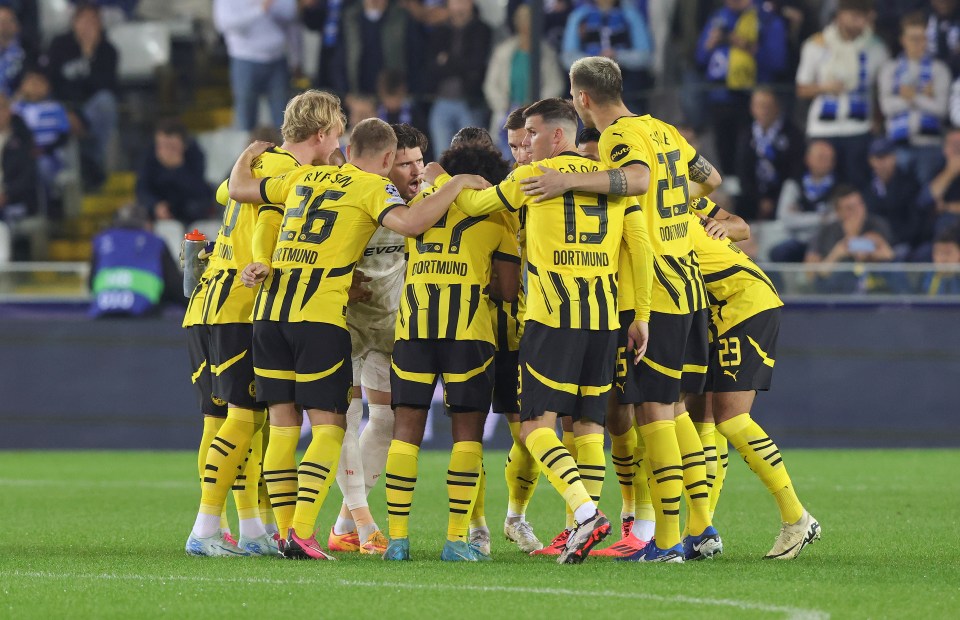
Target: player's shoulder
[274,162]
[570,161]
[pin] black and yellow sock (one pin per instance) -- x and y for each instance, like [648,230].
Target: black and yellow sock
[723,453]
[622,448]
[591,463]
[641,485]
[463,477]
[263,496]
[665,478]
[226,456]
[521,473]
[563,473]
[707,433]
[246,488]
[763,457]
[478,517]
[316,473]
[696,488]
[401,475]
[280,474]
[571,446]
[211,426]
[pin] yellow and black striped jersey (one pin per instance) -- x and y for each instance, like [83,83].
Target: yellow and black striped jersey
[328,217]
[573,247]
[738,289]
[644,140]
[220,297]
[448,271]
[507,316]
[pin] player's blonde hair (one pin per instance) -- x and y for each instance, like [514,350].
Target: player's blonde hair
[310,112]
[599,77]
[372,136]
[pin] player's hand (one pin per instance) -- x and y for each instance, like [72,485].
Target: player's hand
[253,274]
[638,335]
[256,149]
[432,171]
[550,184]
[472,181]
[358,292]
[716,229]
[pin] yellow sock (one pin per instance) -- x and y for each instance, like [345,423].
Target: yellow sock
[707,433]
[316,473]
[665,478]
[401,474]
[263,496]
[622,448]
[591,463]
[246,488]
[554,458]
[211,426]
[521,473]
[463,477]
[763,457]
[478,517]
[722,454]
[571,447]
[641,487]
[280,474]
[696,488]
[226,456]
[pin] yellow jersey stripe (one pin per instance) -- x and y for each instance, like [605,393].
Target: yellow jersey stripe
[763,354]
[569,388]
[196,375]
[460,377]
[419,377]
[217,370]
[692,368]
[670,372]
[290,375]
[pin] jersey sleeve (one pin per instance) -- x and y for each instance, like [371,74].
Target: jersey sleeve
[265,233]
[704,206]
[223,194]
[509,248]
[687,152]
[274,190]
[641,259]
[382,197]
[619,149]
[508,195]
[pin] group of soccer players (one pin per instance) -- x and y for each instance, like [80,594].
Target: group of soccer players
[638,314]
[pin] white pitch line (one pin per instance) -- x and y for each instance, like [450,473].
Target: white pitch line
[791,613]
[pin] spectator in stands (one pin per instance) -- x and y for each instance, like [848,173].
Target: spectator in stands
[19,188]
[855,236]
[82,66]
[892,194]
[49,122]
[771,152]
[741,46]
[324,16]
[395,103]
[126,8]
[943,191]
[457,54]
[943,32]
[132,272]
[359,108]
[256,35]
[838,71]
[170,182]
[507,84]
[946,253]
[914,91]
[27,13]
[616,30]
[374,39]
[555,14]
[805,202]
[13,57]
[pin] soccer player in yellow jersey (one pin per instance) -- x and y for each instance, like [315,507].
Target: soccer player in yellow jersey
[653,162]
[304,259]
[569,340]
[221,308]
[444,331]
[745,321]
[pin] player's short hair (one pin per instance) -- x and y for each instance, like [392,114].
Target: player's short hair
[588,134]
[553,111]
[172,127]
[842,191]
[372,136]
[310,112]
[409,137]
[948,235]
[913,19]
[599,77]
[515,120]
[468,158]
[472,136]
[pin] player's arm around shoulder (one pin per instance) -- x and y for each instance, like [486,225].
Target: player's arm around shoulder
[243,185]
[414,220]
[719,223]
[626,180]
[474,201]
[505,285]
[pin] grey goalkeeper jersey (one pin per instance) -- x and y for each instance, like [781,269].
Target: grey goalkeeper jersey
[383,261]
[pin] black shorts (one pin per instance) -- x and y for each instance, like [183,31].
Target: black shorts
[465,366]
[305,363]
[198,346]
[676,358]
[506,382]
[567,371]
[231,363]
[628,391]
[742,358]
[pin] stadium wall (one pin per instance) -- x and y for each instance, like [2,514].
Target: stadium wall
[863,376]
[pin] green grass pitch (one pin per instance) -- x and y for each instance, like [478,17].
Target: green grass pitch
[101,534]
